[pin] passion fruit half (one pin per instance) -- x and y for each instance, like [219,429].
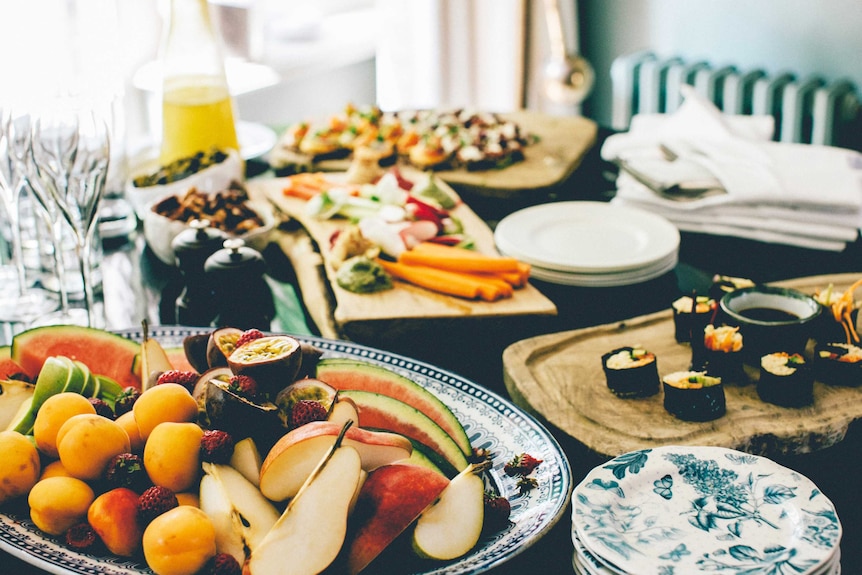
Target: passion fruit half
[305,388]
[272,361]
[221,344]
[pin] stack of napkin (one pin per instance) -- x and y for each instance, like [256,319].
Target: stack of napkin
[796,194]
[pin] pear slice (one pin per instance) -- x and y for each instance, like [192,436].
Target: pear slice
[154,359]
[311,531]
[247,460]
[13,395]
[453,524]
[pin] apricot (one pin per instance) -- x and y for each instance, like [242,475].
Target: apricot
[114,517]
[172,455]
[189,498]
[54,469]
[165,402]
[127,421]
[87,442]
[56,410]
[57,503]
[19,467]
[179,541]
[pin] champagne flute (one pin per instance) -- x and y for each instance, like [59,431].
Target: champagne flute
[70,155]
[28,301]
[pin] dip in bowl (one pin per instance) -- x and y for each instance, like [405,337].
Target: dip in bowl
[770,319]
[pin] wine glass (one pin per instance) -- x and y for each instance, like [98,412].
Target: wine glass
[70,157]
[27,301]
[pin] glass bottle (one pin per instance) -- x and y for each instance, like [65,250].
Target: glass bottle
[197,109]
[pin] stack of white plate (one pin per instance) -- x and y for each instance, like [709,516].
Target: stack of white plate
[589,243]
[681,510]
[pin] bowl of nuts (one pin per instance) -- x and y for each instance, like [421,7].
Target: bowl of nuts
[230,210]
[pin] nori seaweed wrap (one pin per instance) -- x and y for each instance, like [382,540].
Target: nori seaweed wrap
[631,372]
[721,354]
[694,396]
[838,364]
[785,380]
[691,315]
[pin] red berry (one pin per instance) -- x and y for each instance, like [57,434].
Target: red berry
[127,470]
[187,379]
[81,536]
[126,400]
[523,464]
[102,407]
[222,564]
[497,511]
[305,411]
[247,336]
[154,501]
[216,446]
[242,385]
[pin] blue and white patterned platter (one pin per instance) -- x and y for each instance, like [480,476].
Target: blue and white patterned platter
[491,422]
[679,510]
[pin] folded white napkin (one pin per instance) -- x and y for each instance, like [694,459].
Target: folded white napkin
[776,192]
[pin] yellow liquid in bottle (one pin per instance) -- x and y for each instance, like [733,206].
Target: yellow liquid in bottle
[196,118]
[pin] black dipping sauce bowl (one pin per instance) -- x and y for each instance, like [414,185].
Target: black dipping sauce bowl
[770,319]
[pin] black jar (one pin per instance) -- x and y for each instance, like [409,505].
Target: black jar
[242,297]
[195,306]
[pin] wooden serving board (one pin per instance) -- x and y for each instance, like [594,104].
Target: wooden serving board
[563,141]
[405,301]
[559,377]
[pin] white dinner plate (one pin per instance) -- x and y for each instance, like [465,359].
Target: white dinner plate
[704,509]
[254,139]
[629,277]
[491,422]
[586,237]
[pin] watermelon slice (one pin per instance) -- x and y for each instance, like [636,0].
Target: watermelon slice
[346,373]
[9,369]
[105,353]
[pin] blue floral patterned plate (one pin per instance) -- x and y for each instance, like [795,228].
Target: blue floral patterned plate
[491,422]
[679,510]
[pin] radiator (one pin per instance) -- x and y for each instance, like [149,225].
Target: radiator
[807,109]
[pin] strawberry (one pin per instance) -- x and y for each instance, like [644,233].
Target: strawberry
[525,484]
[216,446]
[187,379]
[127,470]
[523,464]
[102,407]
[305,411]
[242,385]
[222,564]
[126,400]
[497,511]
[247,336]
[154,501]
[81,537]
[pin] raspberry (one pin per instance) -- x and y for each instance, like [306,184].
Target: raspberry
[126,400]
[216,446]
[81,537]
[242,385]
[247,336]
[305,411]
[187,379]
[497,510]
[154,501]
[523,464]
[222,564]
[127,470]
[102,408]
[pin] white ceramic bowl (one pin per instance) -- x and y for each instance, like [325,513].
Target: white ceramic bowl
[160,231]
[212,179]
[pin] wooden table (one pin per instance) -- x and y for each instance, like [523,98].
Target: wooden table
[559,377]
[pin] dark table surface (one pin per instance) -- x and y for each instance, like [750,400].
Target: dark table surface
[137,285]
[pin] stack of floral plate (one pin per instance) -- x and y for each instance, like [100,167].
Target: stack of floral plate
[589,243]
[680,510]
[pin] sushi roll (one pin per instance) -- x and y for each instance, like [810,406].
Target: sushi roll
[722,284]
[691,315]
[721,354]
[785,380]
[838,364]
[694,396]
[839,316]
[631,372]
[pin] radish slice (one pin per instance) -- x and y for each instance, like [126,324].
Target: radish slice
[418,232]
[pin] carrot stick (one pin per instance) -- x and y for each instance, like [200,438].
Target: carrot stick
[457,259]
[445,281]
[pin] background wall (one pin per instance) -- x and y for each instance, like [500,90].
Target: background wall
[802,36]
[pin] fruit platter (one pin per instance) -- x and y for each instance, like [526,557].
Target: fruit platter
[249,447]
